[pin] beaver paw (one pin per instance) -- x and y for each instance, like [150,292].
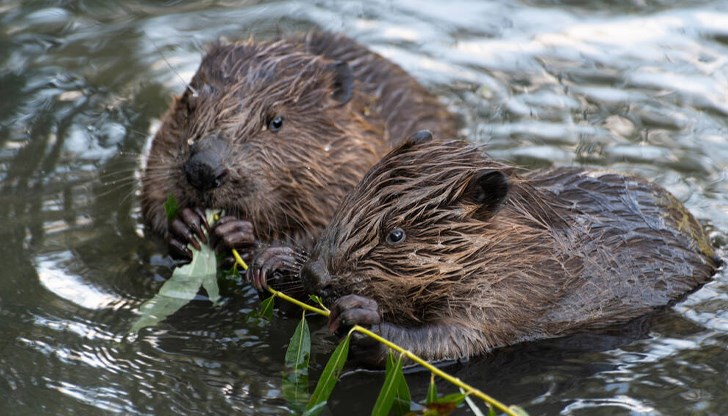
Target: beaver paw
[186,229]
[353,310]
[232,233]
[271,264]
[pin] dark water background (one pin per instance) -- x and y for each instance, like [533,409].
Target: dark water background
[640,87]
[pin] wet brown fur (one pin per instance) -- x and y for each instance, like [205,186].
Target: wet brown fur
[286,183]
[569,249]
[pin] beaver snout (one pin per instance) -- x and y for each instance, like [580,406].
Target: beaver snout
[316,278]
[205,168]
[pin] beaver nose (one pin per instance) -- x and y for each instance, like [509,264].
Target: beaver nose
[205,168]
[316,278]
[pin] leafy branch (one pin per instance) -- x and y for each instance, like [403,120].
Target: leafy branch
[466,388]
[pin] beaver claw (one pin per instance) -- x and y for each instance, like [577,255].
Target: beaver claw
[186,229]
[353,310]
[267,263]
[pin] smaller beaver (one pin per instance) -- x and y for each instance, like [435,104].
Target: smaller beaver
[275,133]
[450,254]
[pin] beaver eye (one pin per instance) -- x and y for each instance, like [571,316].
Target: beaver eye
[395,236]
[275,124]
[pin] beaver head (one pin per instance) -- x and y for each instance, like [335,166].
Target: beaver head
[439,231]
[267,132]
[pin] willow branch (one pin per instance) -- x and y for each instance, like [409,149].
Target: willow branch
[356,328]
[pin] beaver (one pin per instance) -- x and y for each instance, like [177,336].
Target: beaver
[451,254]
[275,133]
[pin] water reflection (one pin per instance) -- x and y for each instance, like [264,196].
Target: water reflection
[68,285]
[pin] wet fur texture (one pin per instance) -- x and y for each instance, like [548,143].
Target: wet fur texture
[287,182]
[567,249]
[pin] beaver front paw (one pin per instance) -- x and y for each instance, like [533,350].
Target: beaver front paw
[232,233]
[278,267]
[186,229]
[353,310]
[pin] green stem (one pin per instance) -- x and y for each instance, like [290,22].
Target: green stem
[356,328]
[239,260]
[298,302]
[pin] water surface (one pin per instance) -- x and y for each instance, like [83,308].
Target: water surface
[638,88]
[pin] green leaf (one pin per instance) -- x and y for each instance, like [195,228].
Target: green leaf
[439,409]
[442,406]
[315,410]
[299,348]
[454,398]
[402,400]
[329,377]
[431,391]
[171,207]
[295,381]
[157,309]
[209,283]
[295,391]
[394,393]
[317,300]
[182,287]
[265,309]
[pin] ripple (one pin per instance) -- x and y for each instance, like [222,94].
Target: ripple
[605,406]
[72,287]
[102,398]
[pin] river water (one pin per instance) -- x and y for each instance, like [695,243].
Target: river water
[640,88]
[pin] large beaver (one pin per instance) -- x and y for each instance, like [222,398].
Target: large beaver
[276,133]
[449,253]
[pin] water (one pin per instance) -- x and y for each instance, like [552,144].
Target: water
[639,88]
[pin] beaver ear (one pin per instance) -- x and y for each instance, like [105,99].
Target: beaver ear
[422,136]
[489,189]
[343,81]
